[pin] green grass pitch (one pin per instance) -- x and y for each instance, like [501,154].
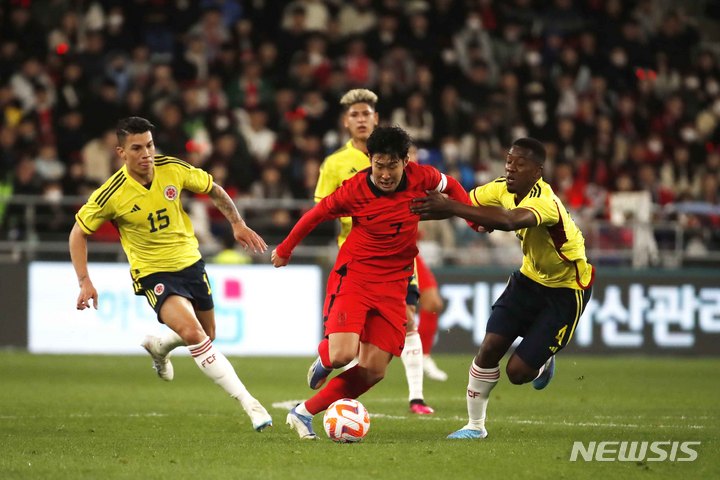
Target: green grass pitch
[105,417]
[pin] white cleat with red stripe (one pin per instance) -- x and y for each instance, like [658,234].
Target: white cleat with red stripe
[161,364]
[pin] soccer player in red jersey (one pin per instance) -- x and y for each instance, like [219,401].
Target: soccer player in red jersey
[360,118]
[365,300]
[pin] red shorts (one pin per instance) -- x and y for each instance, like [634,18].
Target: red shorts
[375,311]
[426,279]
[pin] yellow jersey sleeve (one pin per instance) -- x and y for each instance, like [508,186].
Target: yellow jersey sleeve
[489,194]
[198,181]
[193,179]
[328,181]
[98,209]
[554,250]
[338,167]
[91,216]
[542,206]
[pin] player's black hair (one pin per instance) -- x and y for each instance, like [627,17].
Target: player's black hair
[130,126]
[535,146]
[389,140]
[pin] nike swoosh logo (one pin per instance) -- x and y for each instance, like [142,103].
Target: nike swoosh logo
[371,217]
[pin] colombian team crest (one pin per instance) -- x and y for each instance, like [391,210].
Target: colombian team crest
[159,289]
[171,192]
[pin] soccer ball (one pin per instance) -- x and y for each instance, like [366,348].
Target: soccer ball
[346,421]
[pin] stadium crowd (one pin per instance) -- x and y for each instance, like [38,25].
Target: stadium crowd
[625,94]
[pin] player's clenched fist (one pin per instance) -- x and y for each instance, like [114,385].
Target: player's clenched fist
[277,260]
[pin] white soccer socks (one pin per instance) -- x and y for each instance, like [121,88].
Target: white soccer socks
[480,384]
[302,410]
[216,366]
[412,358]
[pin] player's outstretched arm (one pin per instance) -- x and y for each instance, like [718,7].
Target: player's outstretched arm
[302,228]
[78,256]
[490,217]
[243,234]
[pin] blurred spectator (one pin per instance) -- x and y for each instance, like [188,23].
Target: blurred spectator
[67,35]
[259,138]
[420,42]
[250,89]
[483,149]
[676,38]
[360,69]
[99,155]
[294,33]
[315,14]
[451,118]
[270,185]
[230,151]
[140,68]
[91,56]
[383,36]
[357,17]
[25,81]
[9,155]
[416,119]
[473,46]
[47,165]
[210,33]
[170,138]
[20,26]
[118,36]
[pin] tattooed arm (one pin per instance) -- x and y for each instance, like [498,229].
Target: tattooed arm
[243,234]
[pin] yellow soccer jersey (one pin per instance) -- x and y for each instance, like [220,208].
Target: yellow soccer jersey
[337,168]
[554,250]
[155,231]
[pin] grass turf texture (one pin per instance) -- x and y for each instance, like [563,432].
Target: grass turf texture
[111,417]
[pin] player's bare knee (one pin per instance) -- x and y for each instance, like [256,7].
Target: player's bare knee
[518,372]
[193,336]
[340,359]
[210,332]
[488,356]
[516,379]
[516,376]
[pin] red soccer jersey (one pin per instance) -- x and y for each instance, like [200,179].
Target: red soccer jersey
[382,243]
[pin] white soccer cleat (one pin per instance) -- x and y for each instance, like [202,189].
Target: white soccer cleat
[161,363]
[260,418]
[432,371]
[302,424]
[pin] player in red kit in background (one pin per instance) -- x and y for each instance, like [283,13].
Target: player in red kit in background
[431,304]
[364,307]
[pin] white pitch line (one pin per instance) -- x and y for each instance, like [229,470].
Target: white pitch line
[288,404]
[93,415]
